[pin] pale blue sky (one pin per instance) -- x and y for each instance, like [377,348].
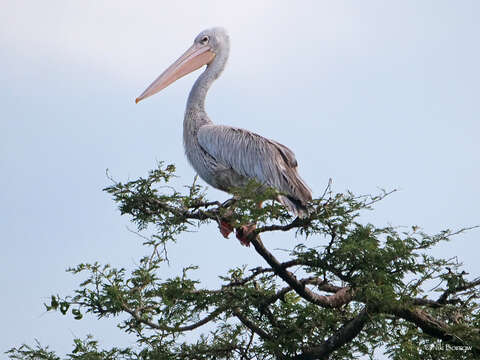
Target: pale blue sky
[371,94]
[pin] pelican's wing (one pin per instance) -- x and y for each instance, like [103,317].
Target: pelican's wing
[254,156]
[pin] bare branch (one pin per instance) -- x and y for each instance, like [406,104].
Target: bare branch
[252,326]
[332,301]
[432,303]
[136,315]
[468,285]
[344,335]
[429,325]
[321,285]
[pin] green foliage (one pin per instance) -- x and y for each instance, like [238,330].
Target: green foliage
[347,288]
[86,349]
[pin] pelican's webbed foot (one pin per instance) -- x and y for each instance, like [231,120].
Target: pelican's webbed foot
[225,228]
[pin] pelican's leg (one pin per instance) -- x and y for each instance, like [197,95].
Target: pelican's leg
[224,223]
[244,231]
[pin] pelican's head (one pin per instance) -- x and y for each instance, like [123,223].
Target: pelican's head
[209,45]
[216,38]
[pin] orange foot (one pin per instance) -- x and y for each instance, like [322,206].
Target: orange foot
[225,228]
[243,232]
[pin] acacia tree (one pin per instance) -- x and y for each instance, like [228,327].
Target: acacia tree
[347,288]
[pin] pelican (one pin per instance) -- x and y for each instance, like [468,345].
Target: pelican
[223,156]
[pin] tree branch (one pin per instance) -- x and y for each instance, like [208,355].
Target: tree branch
[252,326]
[344,335]
[332,301]
[432,303]
[429,325]
[468,285]
[321,285]
[136,315]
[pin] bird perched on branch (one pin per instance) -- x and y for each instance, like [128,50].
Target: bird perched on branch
[227,157]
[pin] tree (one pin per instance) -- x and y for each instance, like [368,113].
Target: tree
[346,289]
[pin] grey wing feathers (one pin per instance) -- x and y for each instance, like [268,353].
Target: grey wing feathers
[287,154]
[254,156]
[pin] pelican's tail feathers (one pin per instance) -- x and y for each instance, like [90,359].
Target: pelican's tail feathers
[295,206]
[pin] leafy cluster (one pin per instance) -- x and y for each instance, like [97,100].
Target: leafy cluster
[347,289]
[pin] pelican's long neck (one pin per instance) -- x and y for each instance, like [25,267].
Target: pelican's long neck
[196,98]
[195,114]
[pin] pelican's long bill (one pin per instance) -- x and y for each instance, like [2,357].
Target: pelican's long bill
[194,58]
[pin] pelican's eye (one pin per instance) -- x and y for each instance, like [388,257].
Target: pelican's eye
[204,40]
